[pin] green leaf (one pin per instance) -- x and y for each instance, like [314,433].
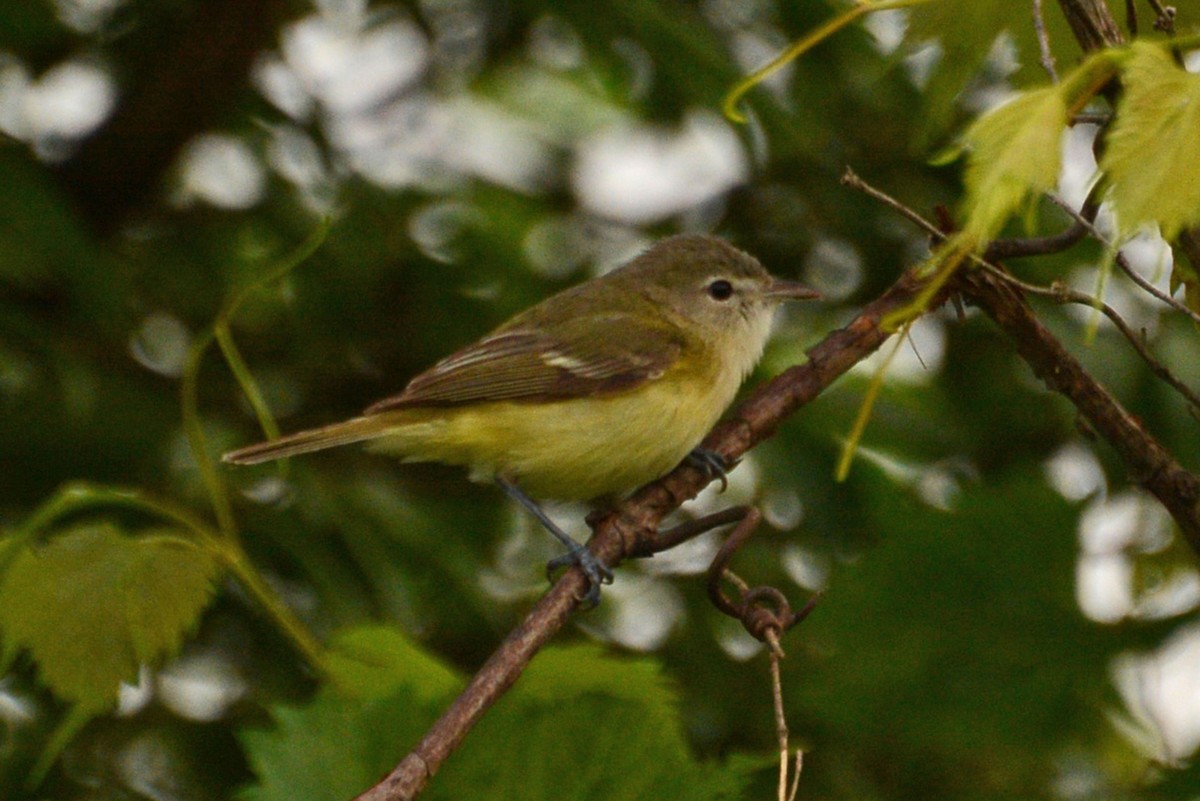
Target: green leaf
[384,692]
[374,661]
[93,605]
[584,724]
[579,724]
[1153,155]
[1015,154]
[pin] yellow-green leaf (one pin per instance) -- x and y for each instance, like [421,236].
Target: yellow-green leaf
[370,662]
[93,605]
[1015,155]
[1152,158]
[580,724]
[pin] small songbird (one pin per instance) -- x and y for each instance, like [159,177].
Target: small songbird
[591,393]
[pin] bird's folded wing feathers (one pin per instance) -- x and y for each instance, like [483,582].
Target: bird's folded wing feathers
[591,356]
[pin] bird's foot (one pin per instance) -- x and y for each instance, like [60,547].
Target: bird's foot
[598,574]
[711,464]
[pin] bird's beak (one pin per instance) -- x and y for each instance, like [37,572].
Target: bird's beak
[791,290]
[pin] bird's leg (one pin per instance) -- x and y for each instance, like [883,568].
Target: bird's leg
[711,464]
[596,571]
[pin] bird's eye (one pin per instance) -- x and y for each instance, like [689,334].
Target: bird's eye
[720,289]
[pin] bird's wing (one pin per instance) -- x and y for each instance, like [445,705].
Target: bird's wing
[593,355]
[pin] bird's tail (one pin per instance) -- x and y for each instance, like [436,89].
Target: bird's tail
[315,439]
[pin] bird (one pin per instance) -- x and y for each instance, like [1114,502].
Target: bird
[588,394]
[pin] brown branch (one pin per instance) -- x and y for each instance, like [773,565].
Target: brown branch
[1148,462]
[1025,247]
[1061,293]
[632,528]
[1092,23]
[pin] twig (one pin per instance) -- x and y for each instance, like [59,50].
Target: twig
[1039,26]
[850,178]
[999,249]
[1035,245]
[666,540]
[766,614]
[787,789]
[1091,118]
[1131,20]
[1061,293]
[1124,264]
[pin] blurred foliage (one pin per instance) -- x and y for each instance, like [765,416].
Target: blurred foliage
[176,630]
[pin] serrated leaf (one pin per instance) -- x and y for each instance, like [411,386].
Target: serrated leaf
[1015,155]
[334,747]
[92,605]
[383,693]
[1152,158]
[583,724]
[374,661]
[579,724]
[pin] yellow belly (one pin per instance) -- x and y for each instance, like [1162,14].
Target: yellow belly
[575,449]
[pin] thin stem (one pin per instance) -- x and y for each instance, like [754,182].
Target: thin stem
[774,654]
[294,259]
[864,410]
[1039,26]
[79,495]
[1062,294]
[1035,245]
[806,43]
[850,178]
[1123,262]
[245,379]
[280,613]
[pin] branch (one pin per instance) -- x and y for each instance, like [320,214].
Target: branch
[1092,23]
[1061,293]
[1148,462]
[632,529]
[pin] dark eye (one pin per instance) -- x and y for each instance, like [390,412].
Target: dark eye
[720,289]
